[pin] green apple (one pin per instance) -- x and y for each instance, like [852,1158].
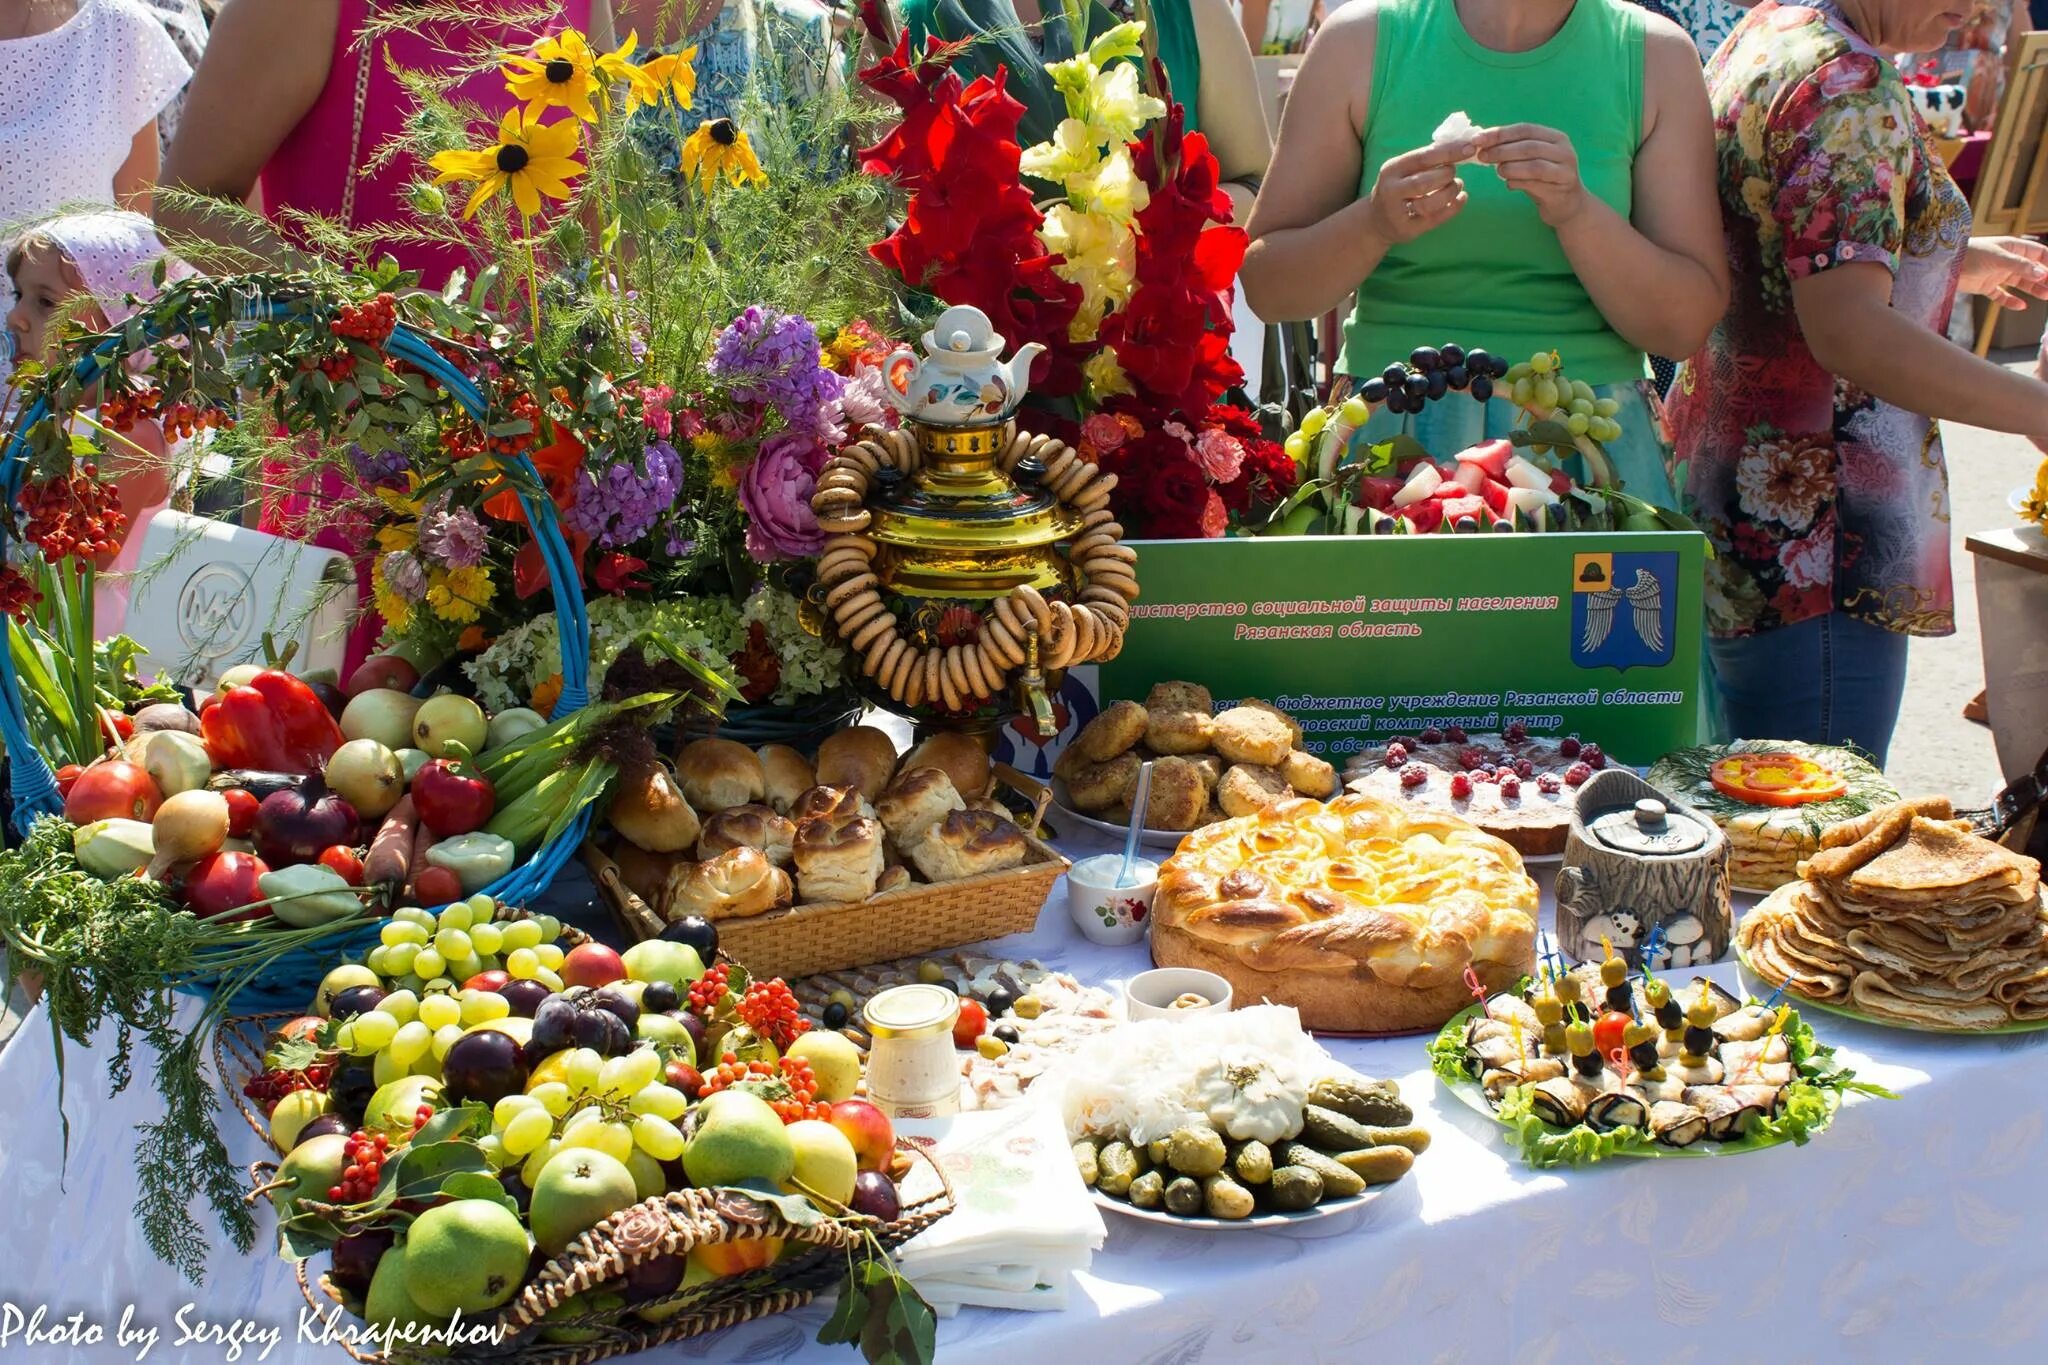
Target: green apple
[578,1189]
[449,719]
[313,1167]
[466,1256]
[825,1164]
[835,1063]
[739,1138]
[658,959]
[661,1028]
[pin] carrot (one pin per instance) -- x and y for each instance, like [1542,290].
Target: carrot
[390,861]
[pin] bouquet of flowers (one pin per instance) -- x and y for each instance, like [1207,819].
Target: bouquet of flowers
[1120,265]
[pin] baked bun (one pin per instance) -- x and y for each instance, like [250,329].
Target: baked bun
[645,874]
[960,757]
[1210,767]
[1249,788]
[1180,696]
[1179,793]
[1309,775]
[1178,731]
[860,757]
[916,801]
[1293,725]
[830,803]
[895,877]
[738,884]
[718,774]
[1118,729]
[1363,914]
[785,774]
[1253,734]
[838,861]
[751,826]
[968,843]
[1100,786]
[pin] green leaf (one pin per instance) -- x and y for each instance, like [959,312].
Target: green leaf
[476,1185]
[303,1237]
[422,1167]
[849,1314]
[459,1122]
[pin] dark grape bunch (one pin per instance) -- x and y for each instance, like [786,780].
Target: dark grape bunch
[1432,372]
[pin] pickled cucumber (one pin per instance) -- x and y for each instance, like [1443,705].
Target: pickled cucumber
[1253,1163]
[1195,1151]
[1148,1191]
[1085,1153]
[1339,1182]
[1184,1196]
[1414,1139]
[1371,1102]
[1294,1188]
[1117,1165]
[1378,1165]
[1332,1131]
[1225,1198]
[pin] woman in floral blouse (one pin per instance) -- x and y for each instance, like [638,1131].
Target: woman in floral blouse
[1805,428]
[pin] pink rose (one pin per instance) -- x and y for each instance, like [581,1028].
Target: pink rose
[1221,454]
[776,493]
[1103,431]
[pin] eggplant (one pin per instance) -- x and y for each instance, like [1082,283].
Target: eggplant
[257,783]
[1617,1109]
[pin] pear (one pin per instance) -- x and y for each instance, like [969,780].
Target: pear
[578,1189]
[390,1305]
[469,1256]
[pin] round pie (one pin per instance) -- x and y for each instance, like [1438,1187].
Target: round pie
[1364,914]
[1533,812]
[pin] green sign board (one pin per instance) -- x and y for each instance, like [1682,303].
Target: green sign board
[1362,637]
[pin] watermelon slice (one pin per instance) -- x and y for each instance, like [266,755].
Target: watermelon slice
[1426,516]
[1378,492]
[1561,483]
[1491,456]
[1422,481]
[1496,495]
[1471,478]
[1525,473]
[1456,509]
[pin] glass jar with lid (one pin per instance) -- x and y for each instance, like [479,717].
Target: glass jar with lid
[913,1072]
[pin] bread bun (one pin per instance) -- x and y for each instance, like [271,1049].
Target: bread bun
[895,877]
[645,874]
[1249,788]
[916,801]
[738,884]
[1119,728]
[960,757]
[1254,734]
[750,826]
[830,803]
[838,861]
[718,774]
[1309,775]
[785,774]
[860,757]
[968,843]
[1178,731]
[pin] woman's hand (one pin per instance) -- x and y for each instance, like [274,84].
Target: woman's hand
[1417,191]
[2004,268]
[1541,163]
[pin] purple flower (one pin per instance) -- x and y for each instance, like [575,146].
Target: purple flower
[776,493]
[456,538]
[385,467]
[863,402]
[405,576]
[618,504]
[771,358]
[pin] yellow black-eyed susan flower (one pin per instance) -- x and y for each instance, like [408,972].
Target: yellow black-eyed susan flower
[675,76]
[560,73]
[532,159]
[641,85]
[720,147]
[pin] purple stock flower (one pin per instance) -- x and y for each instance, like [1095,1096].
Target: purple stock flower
[772,358]
[776,493]
[618,504]
[456,538]
[385,467]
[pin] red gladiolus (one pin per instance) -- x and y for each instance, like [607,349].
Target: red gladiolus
[617,572]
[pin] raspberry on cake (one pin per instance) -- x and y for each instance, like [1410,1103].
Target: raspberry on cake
[1513,786]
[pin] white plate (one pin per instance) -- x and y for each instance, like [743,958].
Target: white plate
[1268,1221]
[1151,838]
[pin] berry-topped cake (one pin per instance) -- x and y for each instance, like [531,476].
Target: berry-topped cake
[1513,785]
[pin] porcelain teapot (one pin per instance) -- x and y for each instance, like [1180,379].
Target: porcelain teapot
[963,379]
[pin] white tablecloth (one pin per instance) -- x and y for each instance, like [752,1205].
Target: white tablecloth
[1907,1231]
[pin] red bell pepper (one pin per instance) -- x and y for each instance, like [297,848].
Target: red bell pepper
[277,724]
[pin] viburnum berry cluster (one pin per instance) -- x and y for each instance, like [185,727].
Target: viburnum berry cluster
[708,991]
[73,515]
[372,321]
[464,439]
[182,420]
[121,409]
[771,1010]
[17,594]
[273,1085]
[366,1152]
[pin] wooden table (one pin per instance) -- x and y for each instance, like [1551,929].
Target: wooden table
[2012,609]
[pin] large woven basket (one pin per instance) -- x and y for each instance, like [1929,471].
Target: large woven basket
[33,785]
[922,918]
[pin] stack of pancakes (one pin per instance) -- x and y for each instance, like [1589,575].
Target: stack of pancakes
[1767,843]
[1907,915]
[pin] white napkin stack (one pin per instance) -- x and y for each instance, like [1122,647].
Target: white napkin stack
[1022,1222]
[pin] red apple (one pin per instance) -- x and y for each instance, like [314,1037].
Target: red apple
[869,1130]
[488,981]
[383,670]
[593,965]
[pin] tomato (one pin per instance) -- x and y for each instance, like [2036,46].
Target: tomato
[436,886]
[1610,1032]
[1776,780]
[223,883]
[114,790]
[972,1023]
[344,860]
[120,722]
[242,807]
[67,775]
[305,1028]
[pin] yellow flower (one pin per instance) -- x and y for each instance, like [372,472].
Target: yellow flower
[675,76]
[560,74]
[1072,151]
[720,146]
[1099,254]
[2034,507]
[1111,188]
[1106,378]
[396,611]
[533,159]
[1119,106]
[643,87]
[459,595]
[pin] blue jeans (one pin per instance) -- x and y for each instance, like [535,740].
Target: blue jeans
[1831,680]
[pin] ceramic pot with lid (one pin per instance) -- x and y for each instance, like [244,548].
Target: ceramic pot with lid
[1643,871]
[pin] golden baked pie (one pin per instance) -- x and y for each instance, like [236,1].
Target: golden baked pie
[1363,914]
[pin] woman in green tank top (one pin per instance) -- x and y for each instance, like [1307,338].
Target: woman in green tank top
[1589,225]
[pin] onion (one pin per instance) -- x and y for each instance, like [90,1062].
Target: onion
[188,826]
[649,810]
[165,716]
[295,826]
[380,714]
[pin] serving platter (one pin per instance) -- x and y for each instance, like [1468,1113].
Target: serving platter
[1756,984]
[1267,1221]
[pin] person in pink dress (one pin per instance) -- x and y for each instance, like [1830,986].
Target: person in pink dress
[289,111]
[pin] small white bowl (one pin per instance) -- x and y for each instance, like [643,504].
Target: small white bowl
[1150,995]
[1105,913]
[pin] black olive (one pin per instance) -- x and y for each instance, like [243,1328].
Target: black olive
[834,1014]
[999,1001]
[1008,1033]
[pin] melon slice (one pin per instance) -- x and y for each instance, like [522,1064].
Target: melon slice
[1424,481]
[1491,456]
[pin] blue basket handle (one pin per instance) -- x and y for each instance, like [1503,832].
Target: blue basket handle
[34,785]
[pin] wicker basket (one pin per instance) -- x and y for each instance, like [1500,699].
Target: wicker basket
[807,939]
